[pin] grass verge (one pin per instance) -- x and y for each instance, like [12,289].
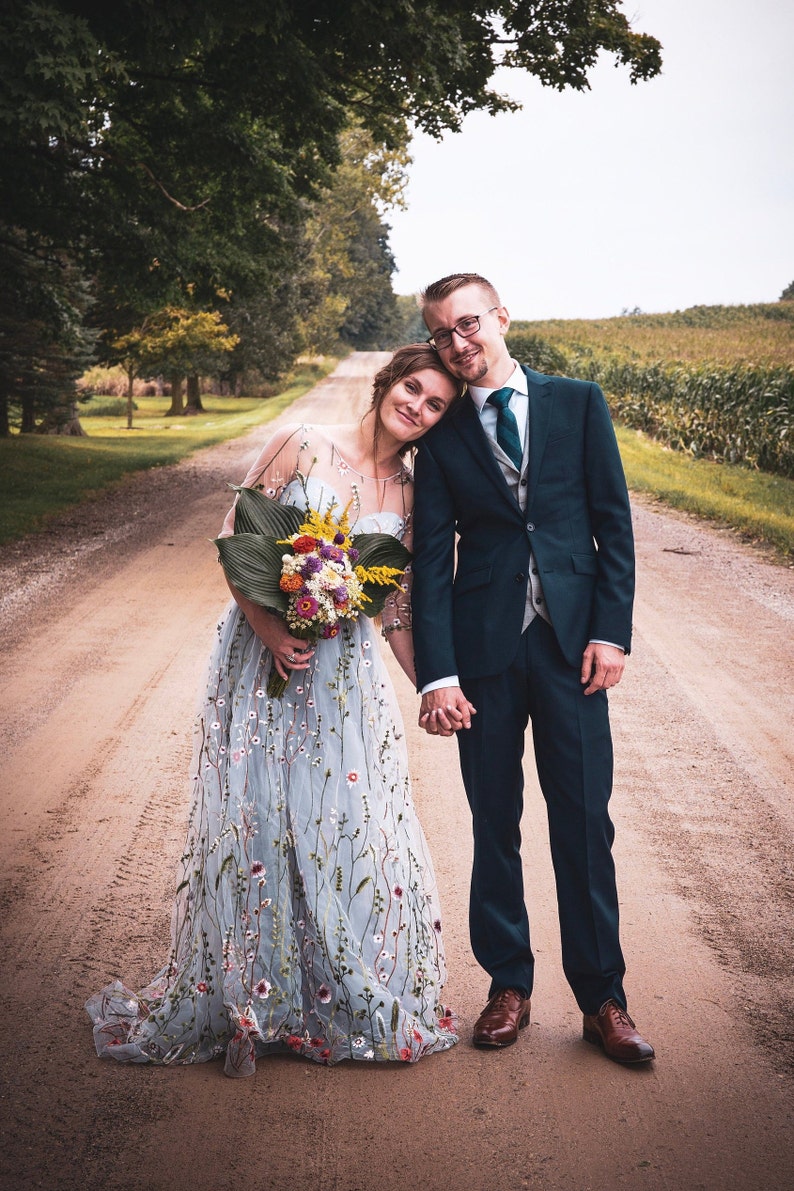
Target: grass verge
[42,476]
[759,505]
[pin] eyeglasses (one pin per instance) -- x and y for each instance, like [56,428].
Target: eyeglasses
[465,328]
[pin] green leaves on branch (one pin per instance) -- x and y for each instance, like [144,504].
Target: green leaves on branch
[176,342]
[559,42]
[171,157]
[244,99]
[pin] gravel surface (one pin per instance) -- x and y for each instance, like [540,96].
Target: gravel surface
[106,621]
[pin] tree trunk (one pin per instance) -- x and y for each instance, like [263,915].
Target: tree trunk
[5,424]
[194,405]
[176,398]
[130,402]
[28,424]
[62,420]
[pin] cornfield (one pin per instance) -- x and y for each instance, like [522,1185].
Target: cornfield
[731,401]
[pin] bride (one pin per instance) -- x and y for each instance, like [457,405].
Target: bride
[306,916]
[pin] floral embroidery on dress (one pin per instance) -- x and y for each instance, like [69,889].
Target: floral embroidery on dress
[306,915]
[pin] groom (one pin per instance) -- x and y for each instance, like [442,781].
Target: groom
[526,617]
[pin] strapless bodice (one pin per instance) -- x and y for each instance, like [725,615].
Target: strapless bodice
[318,494]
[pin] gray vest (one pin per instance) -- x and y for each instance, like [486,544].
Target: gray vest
[518,485]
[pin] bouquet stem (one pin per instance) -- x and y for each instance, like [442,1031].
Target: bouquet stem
[276,685]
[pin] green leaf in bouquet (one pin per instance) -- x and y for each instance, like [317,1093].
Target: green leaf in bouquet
[380,550]
[257,513]
[253,564]
[377,595]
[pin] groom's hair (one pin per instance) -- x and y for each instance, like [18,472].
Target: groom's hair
[439,290]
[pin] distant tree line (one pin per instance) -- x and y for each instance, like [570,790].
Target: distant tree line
[164,161]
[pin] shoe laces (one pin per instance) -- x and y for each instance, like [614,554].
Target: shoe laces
[620,1013]
[499,997]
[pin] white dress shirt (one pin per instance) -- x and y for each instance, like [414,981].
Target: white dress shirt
[518,404]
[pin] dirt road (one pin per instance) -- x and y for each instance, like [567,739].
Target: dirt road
[106,625]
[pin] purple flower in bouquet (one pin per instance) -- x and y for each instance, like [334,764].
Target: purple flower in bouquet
[323,581]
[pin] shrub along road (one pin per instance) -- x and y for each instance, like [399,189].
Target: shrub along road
[107,621]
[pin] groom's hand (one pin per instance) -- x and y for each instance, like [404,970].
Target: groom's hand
[602,667]
[445,711]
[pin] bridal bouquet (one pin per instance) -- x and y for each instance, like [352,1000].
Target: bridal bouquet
[307,566]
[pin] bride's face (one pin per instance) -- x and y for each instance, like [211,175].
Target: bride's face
[416,403]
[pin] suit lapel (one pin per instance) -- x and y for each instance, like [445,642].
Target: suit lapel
[466,422]
[540,390]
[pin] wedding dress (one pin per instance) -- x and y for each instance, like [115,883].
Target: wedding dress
[306,916]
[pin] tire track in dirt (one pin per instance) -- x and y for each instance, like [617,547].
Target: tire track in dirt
[98,689]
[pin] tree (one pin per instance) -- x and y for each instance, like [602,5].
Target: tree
[338,291]
[170,158]
[44,345]
[346,273]
[177,343]
[788,293]
[409,326]
[267,325]
[182,121]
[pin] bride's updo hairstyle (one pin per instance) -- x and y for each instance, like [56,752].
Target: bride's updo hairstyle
[414,357]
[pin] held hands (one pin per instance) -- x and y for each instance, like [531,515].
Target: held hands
[602,666]
[445,711]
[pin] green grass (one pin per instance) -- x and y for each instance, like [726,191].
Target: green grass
[41,476]
[759,505]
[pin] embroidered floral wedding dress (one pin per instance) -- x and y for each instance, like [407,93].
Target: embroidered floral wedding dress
[306,913]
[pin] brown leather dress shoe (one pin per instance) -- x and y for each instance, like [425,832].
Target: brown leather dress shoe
[506,1013]
[613,1030]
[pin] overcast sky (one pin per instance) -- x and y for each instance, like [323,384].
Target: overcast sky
[663,195]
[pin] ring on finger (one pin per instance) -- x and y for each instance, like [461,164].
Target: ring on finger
[291,657]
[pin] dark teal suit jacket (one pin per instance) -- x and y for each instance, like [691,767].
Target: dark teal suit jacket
[468,603]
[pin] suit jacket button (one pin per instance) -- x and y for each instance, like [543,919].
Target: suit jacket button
[520,577]
[530,526]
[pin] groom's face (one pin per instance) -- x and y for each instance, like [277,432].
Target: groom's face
[481,358]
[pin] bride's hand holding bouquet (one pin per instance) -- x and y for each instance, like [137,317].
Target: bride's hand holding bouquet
[309,570]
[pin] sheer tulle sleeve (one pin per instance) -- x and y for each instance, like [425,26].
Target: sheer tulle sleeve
[275,466]
[396,613]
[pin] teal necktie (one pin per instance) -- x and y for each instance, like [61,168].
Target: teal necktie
[507,426]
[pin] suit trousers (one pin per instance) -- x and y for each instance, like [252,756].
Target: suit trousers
[573,754]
